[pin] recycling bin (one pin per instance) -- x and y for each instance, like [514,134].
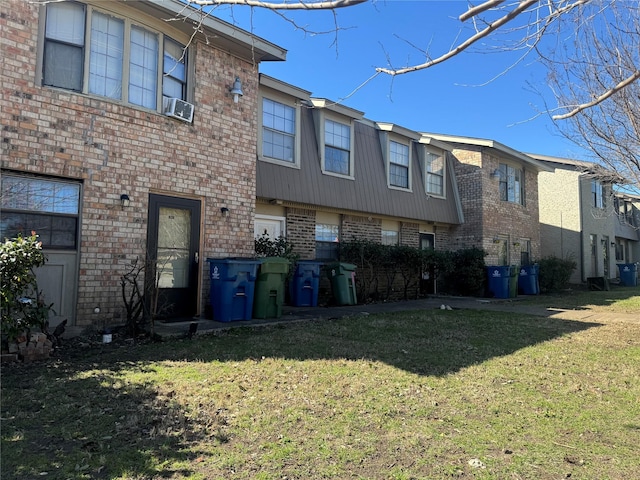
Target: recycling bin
[304,285]
[528,283]
[232,288]
[500,281]
[628,274]
[343,282]
[269,293]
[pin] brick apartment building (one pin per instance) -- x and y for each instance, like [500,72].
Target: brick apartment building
[99,160]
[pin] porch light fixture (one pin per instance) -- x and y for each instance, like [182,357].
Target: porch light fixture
[125,201]
[495,174]
[236,90]
[224,211]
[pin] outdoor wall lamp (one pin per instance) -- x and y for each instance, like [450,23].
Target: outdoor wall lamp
[224,211]
[124,200]
[236,90]
[495,174]
[496,240]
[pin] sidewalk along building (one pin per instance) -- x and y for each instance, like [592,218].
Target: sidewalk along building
[326,174]
[128,136]
[584,219]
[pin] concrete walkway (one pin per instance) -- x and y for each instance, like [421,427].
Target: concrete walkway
[298,314]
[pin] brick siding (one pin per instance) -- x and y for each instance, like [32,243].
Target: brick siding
[113,148]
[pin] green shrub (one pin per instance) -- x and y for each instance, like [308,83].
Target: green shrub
[555,273]
[22,304]
[463,271]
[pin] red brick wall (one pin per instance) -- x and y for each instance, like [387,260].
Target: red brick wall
[485,215]
[113,149]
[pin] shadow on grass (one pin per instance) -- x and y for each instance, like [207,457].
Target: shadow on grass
[578,297]
[84,419]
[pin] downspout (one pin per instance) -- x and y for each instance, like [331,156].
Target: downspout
[583,278]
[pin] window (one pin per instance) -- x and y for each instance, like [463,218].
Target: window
[398,164]
[511,184]
[48,207]
[434,166]
[597,194]
[337,147]
[327,241]
[123,59]
[390,237]
[278,130]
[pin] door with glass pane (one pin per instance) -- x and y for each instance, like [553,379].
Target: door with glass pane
[173,241]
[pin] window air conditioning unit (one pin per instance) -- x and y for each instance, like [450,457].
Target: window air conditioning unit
[179,109]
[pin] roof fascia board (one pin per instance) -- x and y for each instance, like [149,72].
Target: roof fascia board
[482,142]
[236,40]
[397,129]
[286,88]
[337,108]
[426,140]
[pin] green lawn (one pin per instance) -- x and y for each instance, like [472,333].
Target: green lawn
[414,395]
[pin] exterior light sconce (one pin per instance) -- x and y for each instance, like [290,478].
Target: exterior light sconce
[224,211]
[236,90]
[125,201]
[496,240]
[516,244]
[495,175]
[613,244]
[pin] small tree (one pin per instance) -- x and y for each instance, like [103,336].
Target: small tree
[22,305]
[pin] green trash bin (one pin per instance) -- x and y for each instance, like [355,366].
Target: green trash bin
[268,297]
[343,282]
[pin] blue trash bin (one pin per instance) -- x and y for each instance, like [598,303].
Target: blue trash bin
[498,279]
[232,288]
[528,283]
[628,274]
[305,283]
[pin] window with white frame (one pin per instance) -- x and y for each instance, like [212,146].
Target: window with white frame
[511,184]
[398,164]
[597,194]
[278,131]
[123,60]
[337,147]
[327,241]
[434,175]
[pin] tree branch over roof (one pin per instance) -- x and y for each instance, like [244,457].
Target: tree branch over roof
[299,5]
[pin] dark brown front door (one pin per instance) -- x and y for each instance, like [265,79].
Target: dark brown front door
[173,241]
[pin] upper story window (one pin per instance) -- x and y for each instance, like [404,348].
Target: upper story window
[279,131]
[511,184]
[337,148]
[597,194]
[48,207]
[398,164]
[335,127]
[90,51]
[434,175]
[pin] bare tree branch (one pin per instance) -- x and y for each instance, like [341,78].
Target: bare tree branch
[299,5]
[600,98]
[523,6]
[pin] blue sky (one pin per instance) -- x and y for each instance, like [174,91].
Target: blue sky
[457,97]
